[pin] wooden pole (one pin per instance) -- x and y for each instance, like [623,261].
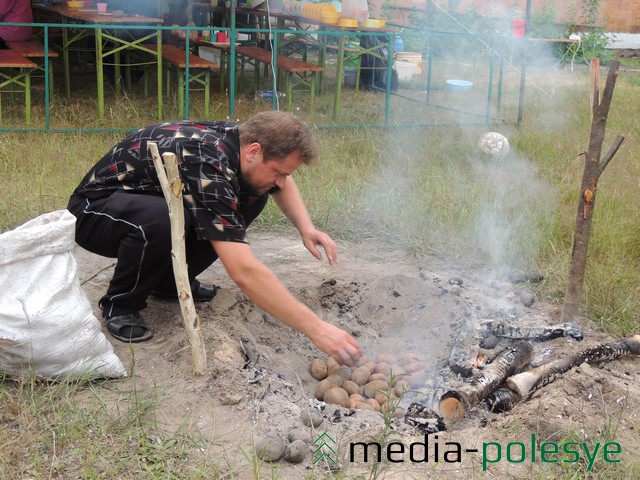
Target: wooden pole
[590,177]
[172,189]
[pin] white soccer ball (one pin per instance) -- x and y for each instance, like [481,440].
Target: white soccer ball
[494,144]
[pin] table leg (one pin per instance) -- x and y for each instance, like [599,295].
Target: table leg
[339,75]
[180,93]
[321,60]
[159,64]
[65,61]
[207,99]
[99,73]
[27,97]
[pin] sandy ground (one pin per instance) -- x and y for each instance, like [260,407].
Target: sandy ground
[395,305]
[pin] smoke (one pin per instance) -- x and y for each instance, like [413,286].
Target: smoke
[513,204]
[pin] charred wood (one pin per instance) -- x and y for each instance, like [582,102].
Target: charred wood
[456,402]
[506,330]
[525,383]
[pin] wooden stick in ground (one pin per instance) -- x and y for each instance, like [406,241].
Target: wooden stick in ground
[526,383]
[172,190]
[586,204]
[456,402]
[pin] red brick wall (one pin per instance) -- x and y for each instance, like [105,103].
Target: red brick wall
[614,15]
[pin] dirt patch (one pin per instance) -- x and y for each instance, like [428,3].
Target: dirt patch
[394,304]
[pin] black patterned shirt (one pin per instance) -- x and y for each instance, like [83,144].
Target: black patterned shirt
[209,165]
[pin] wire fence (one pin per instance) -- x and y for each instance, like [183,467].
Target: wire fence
[453,78]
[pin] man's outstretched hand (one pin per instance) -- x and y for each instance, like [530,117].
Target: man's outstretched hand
[337,343]
[312,238]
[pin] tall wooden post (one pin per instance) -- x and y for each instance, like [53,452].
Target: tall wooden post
[593,167]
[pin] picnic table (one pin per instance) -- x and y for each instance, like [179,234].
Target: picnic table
[111,39]
[305,29]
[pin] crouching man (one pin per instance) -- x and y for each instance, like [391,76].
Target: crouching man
[229,171]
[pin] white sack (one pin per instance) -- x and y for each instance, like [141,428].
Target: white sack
[47,326]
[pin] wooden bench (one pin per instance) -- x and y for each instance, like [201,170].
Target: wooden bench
[15,76]
[176,57]
[35,49]
[297,72]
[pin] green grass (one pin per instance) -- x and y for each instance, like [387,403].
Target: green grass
[78,430]
[426,190]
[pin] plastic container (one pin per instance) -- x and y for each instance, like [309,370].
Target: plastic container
[350,75]
[406,70]
[456,85]
[412,57]
[518,28]
[398,44]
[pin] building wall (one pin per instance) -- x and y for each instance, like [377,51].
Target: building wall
[614,15]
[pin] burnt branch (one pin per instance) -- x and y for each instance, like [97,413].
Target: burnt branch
[456,402]
[526,383]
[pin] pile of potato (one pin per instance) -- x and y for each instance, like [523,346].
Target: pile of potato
[371,385]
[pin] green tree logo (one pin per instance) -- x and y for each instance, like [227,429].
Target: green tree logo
[325,448]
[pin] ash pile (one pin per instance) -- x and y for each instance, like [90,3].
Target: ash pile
[502,359]
[462,348]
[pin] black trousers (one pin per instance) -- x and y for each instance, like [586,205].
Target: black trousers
[135,229]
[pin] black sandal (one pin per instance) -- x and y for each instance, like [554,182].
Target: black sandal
[200,292]
[129,328]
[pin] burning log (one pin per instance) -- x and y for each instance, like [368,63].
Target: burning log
[456,402]
[501,400]
[525,383]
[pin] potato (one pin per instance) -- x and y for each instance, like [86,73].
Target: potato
[299,434]
[295,451]
[400,388]
[344,372]
[385,357]
[397,373]
[318,369]
[374,404]
[371,388]
[381,398]
[361,375]
[364,406]
[414,367]
[370,366]
[378,376]
[331,363]
[311,417]
[270,449]
[351,387]
[355,399]
[409,357]
[362,360]
[382,367]
[337,396]
[326,384]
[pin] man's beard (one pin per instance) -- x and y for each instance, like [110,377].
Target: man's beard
[254,189]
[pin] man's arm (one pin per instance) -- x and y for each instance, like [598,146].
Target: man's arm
[290,202]
[265,290]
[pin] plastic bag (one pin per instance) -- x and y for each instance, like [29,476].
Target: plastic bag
[47,325]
